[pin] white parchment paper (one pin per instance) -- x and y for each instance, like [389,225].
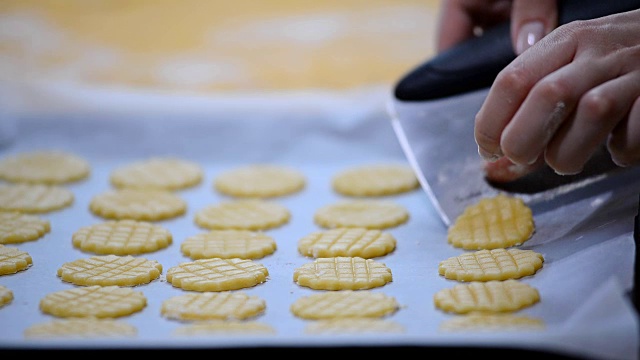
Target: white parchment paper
[584,284]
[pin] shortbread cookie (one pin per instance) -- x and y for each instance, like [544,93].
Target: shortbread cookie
[353,326]
[490,296]
[81,328]
[6,296]
[93,301]
[375,180]
[355,242]
[342,273]
[34,198]
[122,237]
[138,204]
[344,303]
[13,260]
[44,167]
[250,214]
[260,181]
[217,274]
[495,264]
[501,221]
[491,322]
[225,327]
[228,244]
[110,270]
[16,227]
[212,306]
[162,173]
[370,214]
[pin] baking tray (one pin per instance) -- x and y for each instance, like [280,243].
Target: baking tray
[586,238]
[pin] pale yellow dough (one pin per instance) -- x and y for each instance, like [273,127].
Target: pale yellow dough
[110,270]
[370,214]
[6,296]
[358,242]
[162,173]
[495,264]
[375,180]
[353,326]
[489,296]
[217,274]
[501,221]
[81,328]
[492,322]
[122,237]
[228,244]
[225,327]
[248,214]
[260,181]
[138,204]
[34,198]
[44,167]
[212,306]
[16,227]
[93,301]
[13,260]
[344,303]
[342,273]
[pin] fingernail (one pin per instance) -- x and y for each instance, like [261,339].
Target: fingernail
[487,156]
[530,33]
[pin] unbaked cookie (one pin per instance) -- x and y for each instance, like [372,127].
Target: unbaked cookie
[375,180]
[342,273]
[370,214]
[6,296]
[228,244]
[212,305]
[491,322]
[110,270]
[93,301]
[359,242]
[495,264]
[353,326]
[16,227]
[81,328]
[249,214]
[138,204]
[344,303]
[490,296]
[13,260]
[34,198]
[501,221]
[44,167]
[217,274]
[225,327]
[260,181]
[162,173]
[122,237]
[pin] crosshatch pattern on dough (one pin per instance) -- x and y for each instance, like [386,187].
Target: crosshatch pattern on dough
[501,221]
[228,244]
[213,305]
[217,274]
[489,296]
[44,167]
[34,198]
[93,301]
[13,260]
[162,173]
[375,180]
[16,227]
[137,204]
[260,181]
[495,264]
[122,237]
[342,273]
[344,303]
[370,214]
[110,270]
[358,242]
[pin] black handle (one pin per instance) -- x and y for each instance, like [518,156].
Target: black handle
[474,64]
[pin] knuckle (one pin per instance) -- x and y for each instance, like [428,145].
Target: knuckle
[598,106]
[553,90]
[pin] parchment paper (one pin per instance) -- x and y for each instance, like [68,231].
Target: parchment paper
[584,283]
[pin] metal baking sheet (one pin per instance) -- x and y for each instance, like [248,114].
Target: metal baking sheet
[586,240]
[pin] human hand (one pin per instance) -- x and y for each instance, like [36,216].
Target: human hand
[577,89]
[463,19]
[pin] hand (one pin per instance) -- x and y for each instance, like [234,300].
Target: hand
[463,19]
[577,89]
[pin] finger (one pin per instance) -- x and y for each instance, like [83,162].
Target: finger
[598,112]
[624,142]
[512,85]
[454,25]
[503,170]
[549,104]
[531,21]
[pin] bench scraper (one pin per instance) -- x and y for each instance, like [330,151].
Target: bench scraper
[432,113]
